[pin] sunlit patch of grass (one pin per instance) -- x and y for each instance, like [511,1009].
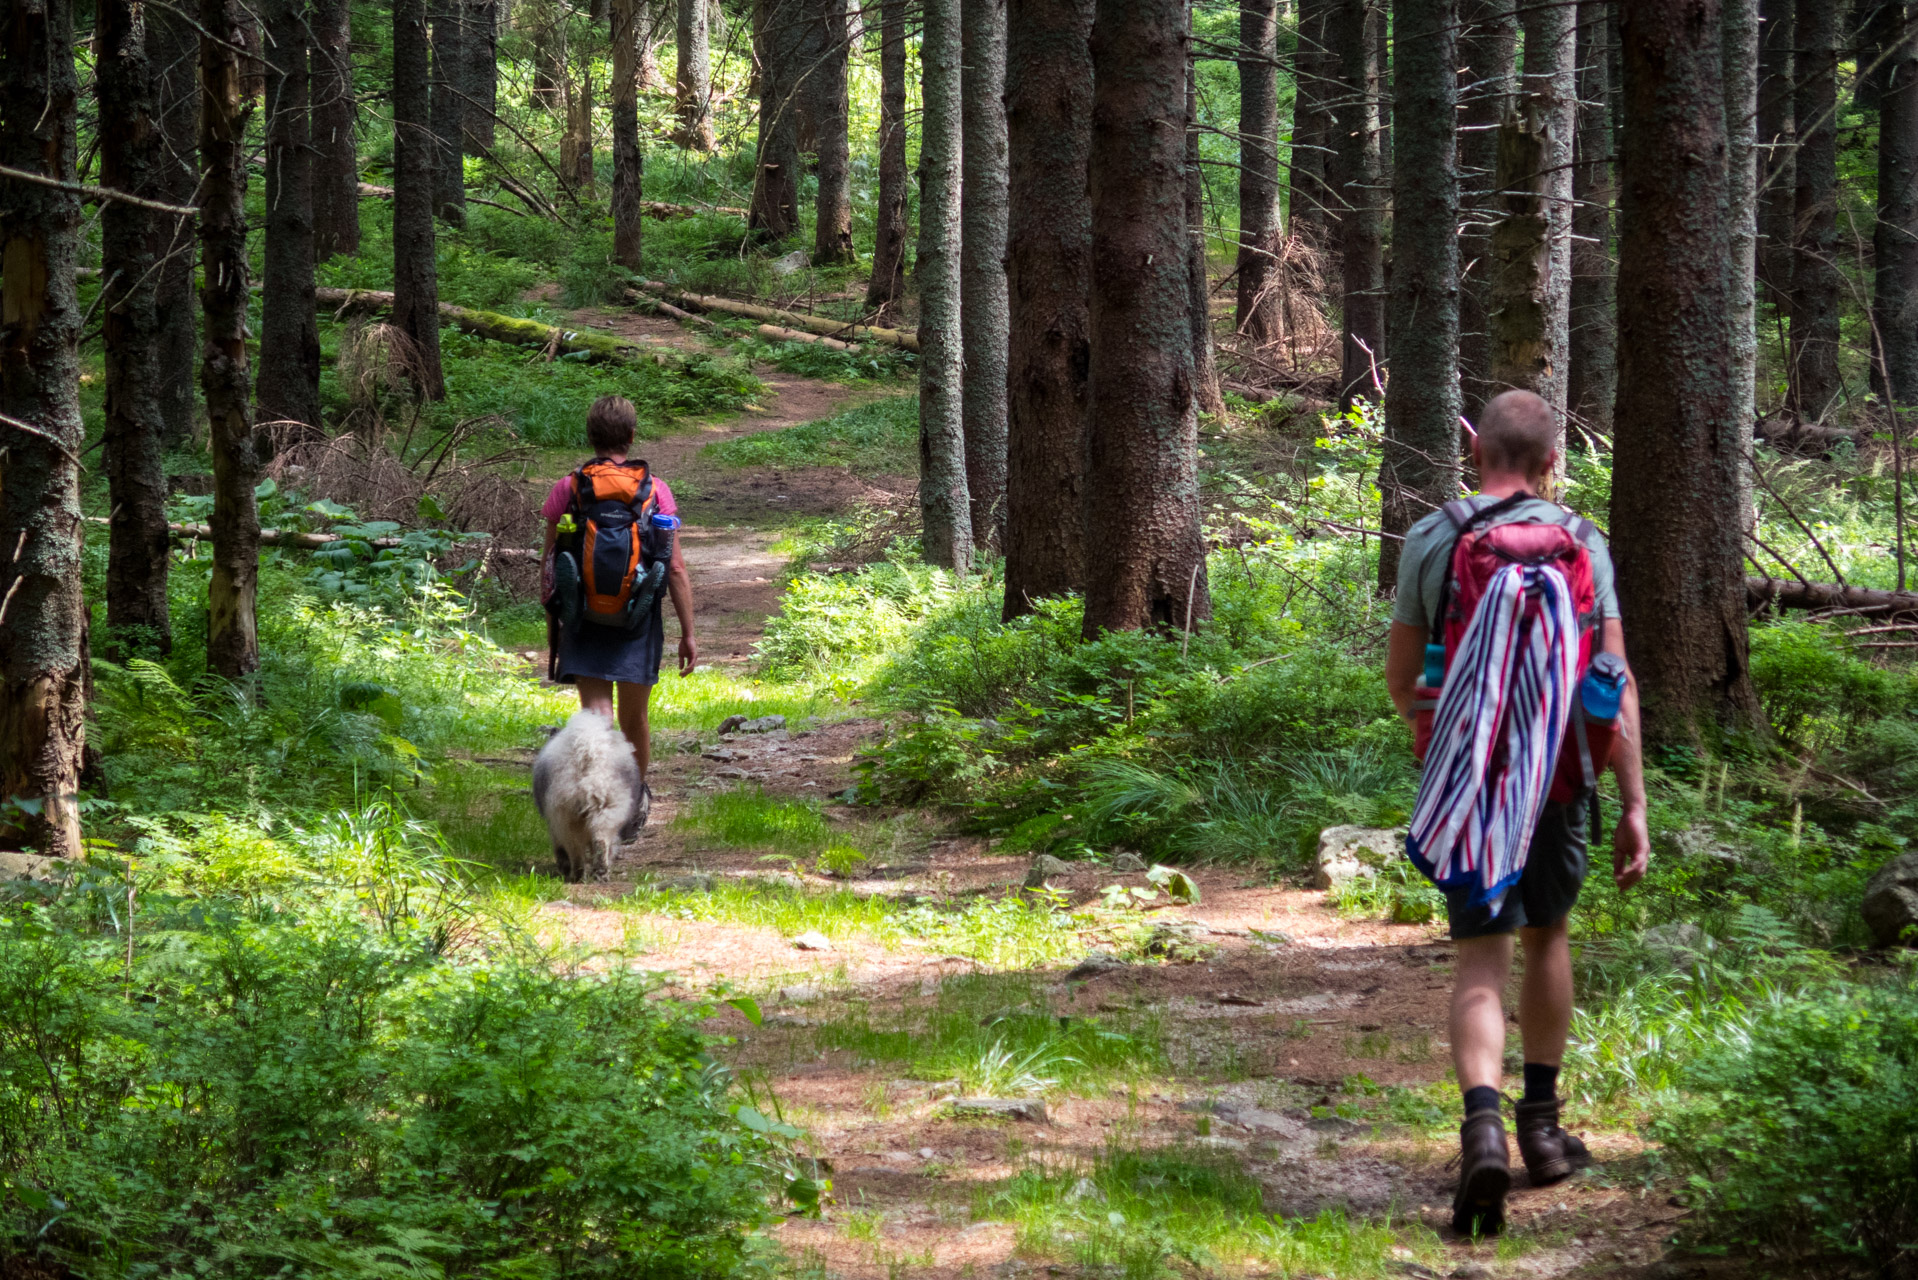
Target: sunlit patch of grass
[700,701]
[486,814]
[878,436]
[838,913]
[748,818]
[997,1035]
[1149,1214]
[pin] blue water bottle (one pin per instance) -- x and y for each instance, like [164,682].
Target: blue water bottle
[664,526]
[1603,687]
[1434,665]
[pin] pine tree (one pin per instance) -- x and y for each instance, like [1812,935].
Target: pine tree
[775,204]
[1142,498]
[826,90]
[1815,282]
[1488,51]
[336,162]
[1205,367]
[416,293]
[1776,146]
[1894,308]
[173,51]
[1359,197]
[43,620]
[288,389]
[944,504]
[889,235]
[1740,23]
[1674,516]
[693,79]
[448,109]
[1260,233]
[629,161]
[1592,376]
[1308,208]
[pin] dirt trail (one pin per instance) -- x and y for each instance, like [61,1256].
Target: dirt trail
[1276,1013]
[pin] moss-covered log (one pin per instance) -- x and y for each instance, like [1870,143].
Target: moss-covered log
[305,541]
[596,346]
[791,319]
[1783,593]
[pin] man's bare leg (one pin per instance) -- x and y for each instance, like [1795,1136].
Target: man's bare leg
[1545,999]
[1478,1010]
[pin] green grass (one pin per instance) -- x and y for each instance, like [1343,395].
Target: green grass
[1148,1214]
[751,819]
[879,436]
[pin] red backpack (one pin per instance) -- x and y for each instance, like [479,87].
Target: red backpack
[1477,555]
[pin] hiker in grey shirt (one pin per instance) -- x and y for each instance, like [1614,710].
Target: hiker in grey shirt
[1516,452]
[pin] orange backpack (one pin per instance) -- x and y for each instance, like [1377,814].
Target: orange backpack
[617,553]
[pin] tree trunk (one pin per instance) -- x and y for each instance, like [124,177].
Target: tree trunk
[415,271]
[1142,496]
[826,91]
[173,51]
[944,505]
[1048,272]
[480,79]
[984,315]
[288,388]
[1522,354]
[628,160]
[1740,61]
[1205,368]
[1550,92]
[1674,514]
[131,240]
[888,281]
[775,206]
[232,633]
[693,79]
[1260,234]
[1873,42]
[1360,194]
[1420,467]
[1776,147]
[1488,51]
[336,162]
[1309,197]
[576,143]
[1592,376]
[1815,281]
[449,110]
[1894,304]
[43,625]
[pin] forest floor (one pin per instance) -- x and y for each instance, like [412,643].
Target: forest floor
[1276,1038]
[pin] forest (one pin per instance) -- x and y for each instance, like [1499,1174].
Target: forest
[1048,391]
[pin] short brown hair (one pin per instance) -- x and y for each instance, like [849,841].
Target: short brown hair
[1517,432]
[610,424]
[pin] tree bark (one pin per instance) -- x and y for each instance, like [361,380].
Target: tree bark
[173,51]
[944,502]
[628,160]
[1360,194]
[480,78]
[1521,330]
[1488,51]
[1674,514]
[1260,234]
[1049,273]
[232,633]
[335,163]
[775,205]
[1815,283]
[1550,92]
[288,387]
[693,79]
[1740,22]
[1309,197]
[1894,306]
[131,241]
[415,270]
[43,625]
[888,281]
[1592,374]
[576,143]
[1205,368]
[1419,470]
[1142,497]
[1777,146]
[984,314]
[826,92]
[449,110]
[1873,34]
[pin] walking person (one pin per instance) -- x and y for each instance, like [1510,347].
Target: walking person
[1508,656]
[614,520]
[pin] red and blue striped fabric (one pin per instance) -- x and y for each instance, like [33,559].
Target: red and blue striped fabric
[1496,733]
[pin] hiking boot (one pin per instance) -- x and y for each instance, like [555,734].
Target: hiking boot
[1484,1175]
[642,809]
[1551,1154]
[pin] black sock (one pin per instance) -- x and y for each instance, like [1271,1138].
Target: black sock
[1481,1097]
[1541,1082]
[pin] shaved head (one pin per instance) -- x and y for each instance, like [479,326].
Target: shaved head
[1516,432]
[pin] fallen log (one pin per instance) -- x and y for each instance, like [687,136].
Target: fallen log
[1783,593]
[308,541]
[596,346]
[667,212]
[649,302]
[790,319]
[777,334]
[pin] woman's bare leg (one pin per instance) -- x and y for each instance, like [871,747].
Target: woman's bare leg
[596,695]
[634,699]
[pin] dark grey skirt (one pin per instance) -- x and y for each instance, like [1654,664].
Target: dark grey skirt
[605,653]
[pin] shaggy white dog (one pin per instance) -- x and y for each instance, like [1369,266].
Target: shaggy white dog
[586,785]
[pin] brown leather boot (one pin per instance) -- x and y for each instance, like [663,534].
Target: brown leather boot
[1551,1154]
[1485,1174]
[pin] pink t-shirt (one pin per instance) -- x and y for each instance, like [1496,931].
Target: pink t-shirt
[555,505]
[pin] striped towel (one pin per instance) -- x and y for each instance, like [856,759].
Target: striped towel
[1496,733]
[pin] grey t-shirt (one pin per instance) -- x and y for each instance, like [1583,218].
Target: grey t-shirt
[1427,556]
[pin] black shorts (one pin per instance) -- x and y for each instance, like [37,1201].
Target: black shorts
[604,653]
[1547,889]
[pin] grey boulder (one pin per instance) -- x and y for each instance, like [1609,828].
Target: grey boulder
[1891,901]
